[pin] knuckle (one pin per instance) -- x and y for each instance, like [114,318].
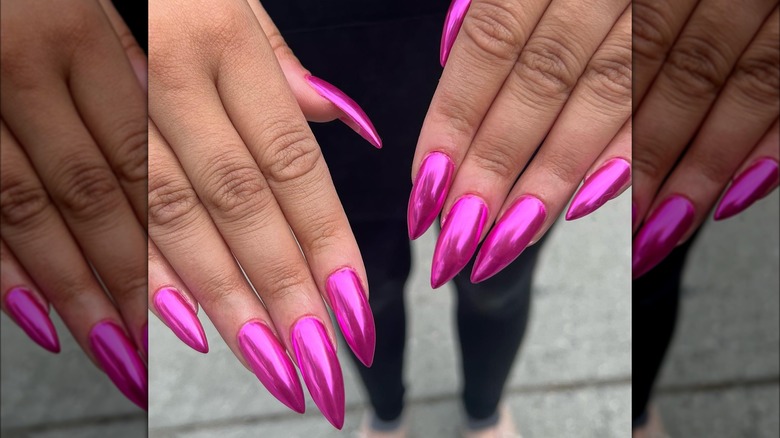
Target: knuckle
[288,279]
[322,233]
[86,187]
[236,188]
[455,115]
[494,30]
[652,33]
[500,161]
[565,166]
[131,153]
[220,286]
[648,161]
[610,77]
[757,76]
[21,200]
[548,65]
[696,67]
[132,284]
[171,201]
[292,153]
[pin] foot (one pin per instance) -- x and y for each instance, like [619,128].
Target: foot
[654,428]
[505,428]
[367,429]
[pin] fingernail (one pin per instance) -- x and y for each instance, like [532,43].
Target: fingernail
[320,368]
[270,363]
[355,117]
[455,16]
[32,317]
[599,188]
[458,239]
[179,316]
[120,361]
[752,184]
[661,233]
[349,303]
[429,192]
[511,235]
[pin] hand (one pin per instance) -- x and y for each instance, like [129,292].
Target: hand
[73,197]
[537,89]
[241,200]
[706,93]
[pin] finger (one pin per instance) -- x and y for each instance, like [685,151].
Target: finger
[172,302]
[742,114]
[655,26]
[756,178]
[134,52]
[39,239]
[609,176]
[24,304]
[85,191]
[187,238]
[677,103]
[598,107]
[526,108]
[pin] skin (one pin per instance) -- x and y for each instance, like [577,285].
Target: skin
[74,164]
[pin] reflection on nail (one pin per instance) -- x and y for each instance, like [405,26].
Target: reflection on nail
[455,16]
[349,303]
[354,116]
[32,317]
[599,188]
[511,235]
[752,184]
[120,361]
[661,233]
[458,239]
[270,363]
[182,320]
[429,192]
[320,368]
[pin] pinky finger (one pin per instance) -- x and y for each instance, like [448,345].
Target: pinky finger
[170,300]
[24,304]
[757,177]
[609,176]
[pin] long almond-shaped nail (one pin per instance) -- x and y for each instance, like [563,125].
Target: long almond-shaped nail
[32,317]
[270,363]
[455,16]
[458,239]
[752,184]
[349,303]
[320,368]
[429,192]
[354,116]
[120,361]
[179,316]
[661,233]
[511,235]
[599,188]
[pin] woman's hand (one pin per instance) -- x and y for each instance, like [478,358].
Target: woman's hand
[539,90]
[73,198]
[241,202]
[706,93]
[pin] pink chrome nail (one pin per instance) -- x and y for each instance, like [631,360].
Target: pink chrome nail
[120,361]
[599,188]
[452,23]
[661,233]
[752,184]
[354,116]
[429,192]
[349,303]
[32,317]
[181,318]
[270,363]
[320,368]
[511,235]
[458,239]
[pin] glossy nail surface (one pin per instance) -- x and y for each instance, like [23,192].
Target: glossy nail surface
[320,368]
[270,363]
[509,237]
[355,117]
[120,361]
[32,317]
[752,184]
[349,303]
[661,233]
[452,23]
[179,316]
[458,239]
[599,188]
[429,192]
